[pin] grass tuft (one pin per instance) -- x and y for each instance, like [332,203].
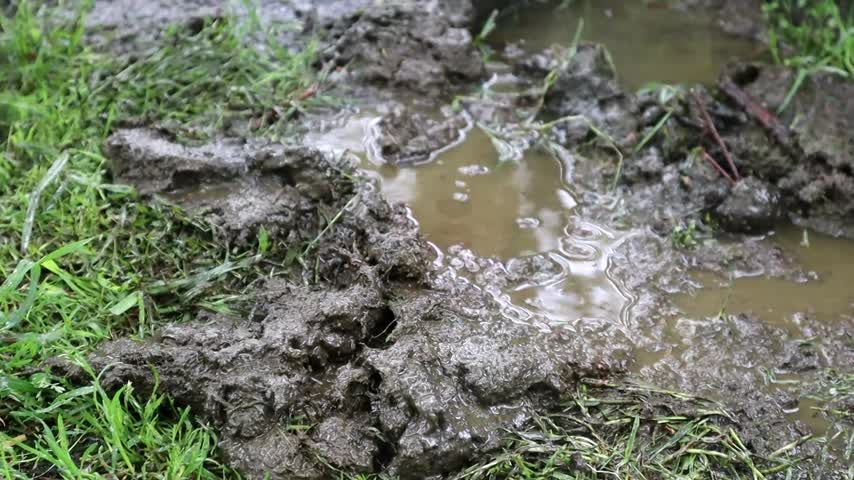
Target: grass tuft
[629,431]
[83,259]
[811,37]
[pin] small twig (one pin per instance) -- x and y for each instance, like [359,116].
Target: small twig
[308,93]
[717,166]
[711,125]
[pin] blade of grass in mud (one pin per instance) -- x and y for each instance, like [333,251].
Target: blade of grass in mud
[810,37]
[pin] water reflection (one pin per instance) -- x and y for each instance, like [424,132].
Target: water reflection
[466,197]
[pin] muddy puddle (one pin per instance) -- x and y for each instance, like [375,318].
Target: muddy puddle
[479,213]
[648,42]
[489,220]
[826,293]
[822,296]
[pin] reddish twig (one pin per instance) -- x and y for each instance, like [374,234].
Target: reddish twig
[308,93]
[763,117]
[717,166]
[711,126]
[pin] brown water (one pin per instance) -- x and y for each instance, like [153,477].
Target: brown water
[468,201]
[647,43]
[827,295]
[829,263]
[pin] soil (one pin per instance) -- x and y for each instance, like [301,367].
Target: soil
[737,17]
[399,365]
[810,176]
[404,137]
[404,48]
[394,367]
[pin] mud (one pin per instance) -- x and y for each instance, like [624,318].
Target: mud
[404,48]
[809,178]
[293,192]
[820,179]
[586,85]
[737,17]
[402,137]
[386,372]
[387,353]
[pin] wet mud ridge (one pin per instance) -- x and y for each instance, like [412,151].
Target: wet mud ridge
[371,359]
[392,368]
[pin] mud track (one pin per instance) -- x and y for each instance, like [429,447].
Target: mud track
[398,367]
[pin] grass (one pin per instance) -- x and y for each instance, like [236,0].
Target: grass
[630,431]
[811,37]
[684,235]
[83,259]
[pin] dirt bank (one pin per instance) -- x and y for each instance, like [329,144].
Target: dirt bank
[795,166]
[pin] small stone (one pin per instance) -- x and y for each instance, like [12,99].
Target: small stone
[752,206]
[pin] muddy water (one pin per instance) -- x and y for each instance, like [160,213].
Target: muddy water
[827,294]
[648,42]
[470,206]
[468,201]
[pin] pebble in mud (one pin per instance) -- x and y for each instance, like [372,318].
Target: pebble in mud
[752,206]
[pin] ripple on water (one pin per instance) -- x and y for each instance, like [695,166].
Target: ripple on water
[511,228]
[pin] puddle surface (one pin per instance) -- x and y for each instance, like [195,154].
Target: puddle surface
[647,43]
[520,215]
[827,295]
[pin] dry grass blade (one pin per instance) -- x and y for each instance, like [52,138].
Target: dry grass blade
[53,172]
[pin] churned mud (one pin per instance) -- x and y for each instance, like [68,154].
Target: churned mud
[396,369]
[414,335]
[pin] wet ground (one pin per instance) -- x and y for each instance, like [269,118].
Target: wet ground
[472,207]
[498,280]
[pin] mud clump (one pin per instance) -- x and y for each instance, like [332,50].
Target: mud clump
[585,85]
[293,192]
[751,207]
[804,172]
[410,138]
[820,179]
[419,384]
[405,48]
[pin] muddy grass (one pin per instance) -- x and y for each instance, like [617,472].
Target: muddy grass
[370,352]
